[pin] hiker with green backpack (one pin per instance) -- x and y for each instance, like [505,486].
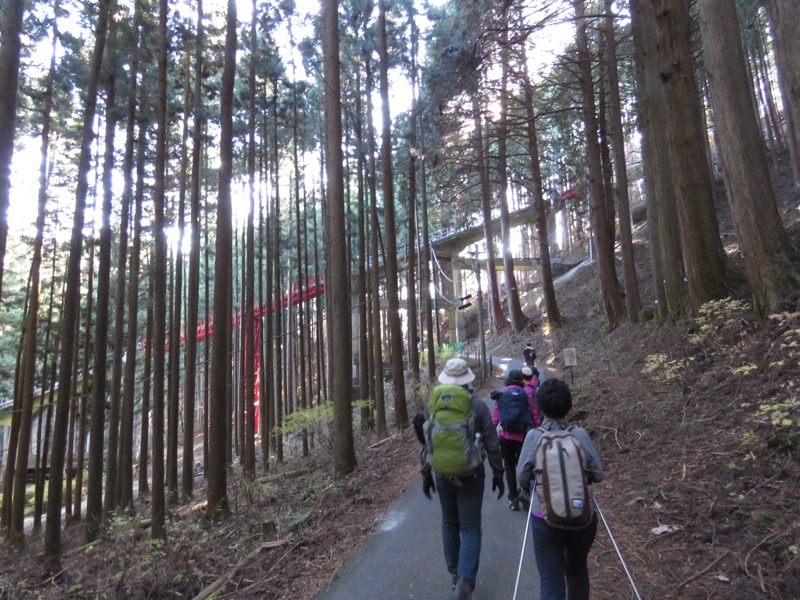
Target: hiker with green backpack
[457,433]
[561,462]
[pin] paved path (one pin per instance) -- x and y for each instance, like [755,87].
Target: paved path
[402,557]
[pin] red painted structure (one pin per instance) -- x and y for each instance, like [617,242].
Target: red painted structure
[296,293]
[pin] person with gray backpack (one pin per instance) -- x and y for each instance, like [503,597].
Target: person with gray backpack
[558,463]
[457,433]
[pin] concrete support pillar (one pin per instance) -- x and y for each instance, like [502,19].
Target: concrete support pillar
[453,288]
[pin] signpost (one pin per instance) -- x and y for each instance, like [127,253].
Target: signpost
[570,360]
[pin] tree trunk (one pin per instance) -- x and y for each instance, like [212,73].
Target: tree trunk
[158,506]
[703,257]
[264,343]
[495,307]
[221,360]
[770,259]
[125,481]
[177,328]
[374,231]
[548,288]
[665,243]
[425,279]
[411,268]
[28,357]
[71,310]
[344,456]
[392,292]
[9,75]
[517,317]
[277,368]
[248,322]
[121,342]
[604,240]
[144,438]
[94,490]
[632,301]
[785,19]
[300,373]
[362,290]
[76,459]
[193,284]
[48,383]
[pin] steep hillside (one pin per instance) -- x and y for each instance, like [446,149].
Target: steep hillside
[699,427]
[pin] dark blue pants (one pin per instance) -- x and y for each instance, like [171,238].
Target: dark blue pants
[561,557]
[461,501]
[510,451]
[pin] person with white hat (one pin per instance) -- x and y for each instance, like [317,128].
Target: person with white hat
[460,491]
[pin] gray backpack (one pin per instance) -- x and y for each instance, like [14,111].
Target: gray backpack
[562,486]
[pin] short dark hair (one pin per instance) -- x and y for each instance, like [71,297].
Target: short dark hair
[554,398]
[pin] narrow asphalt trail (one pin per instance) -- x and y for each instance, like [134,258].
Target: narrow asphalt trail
[402,557]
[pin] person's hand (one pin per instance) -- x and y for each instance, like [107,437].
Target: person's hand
[418,422]
[497,484]
[427,486]
[427,481]
[524,497]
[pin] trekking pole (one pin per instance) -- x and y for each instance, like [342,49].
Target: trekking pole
[614,543]
[524,540]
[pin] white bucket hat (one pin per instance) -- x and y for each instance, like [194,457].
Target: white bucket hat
[457,372]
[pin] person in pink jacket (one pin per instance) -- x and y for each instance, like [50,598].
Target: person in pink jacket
[530,383]
[511,441]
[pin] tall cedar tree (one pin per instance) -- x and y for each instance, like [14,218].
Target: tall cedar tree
[71,307]
[27,369]
[603,232]
[124,493]
[158,506]
[193,285]
[701,247]
[9,74]
[495,308]
[770,259]
[665,245]
[339,345]
[94,489]
[632,300]
[392,291]
[248,323]
[516,316]
[785,19]
[121,426]
[375,238]
[220,358]
[539,206]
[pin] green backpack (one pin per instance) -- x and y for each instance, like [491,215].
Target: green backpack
[452,446]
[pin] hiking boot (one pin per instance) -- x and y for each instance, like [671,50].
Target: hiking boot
[463,590]
[514,504]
